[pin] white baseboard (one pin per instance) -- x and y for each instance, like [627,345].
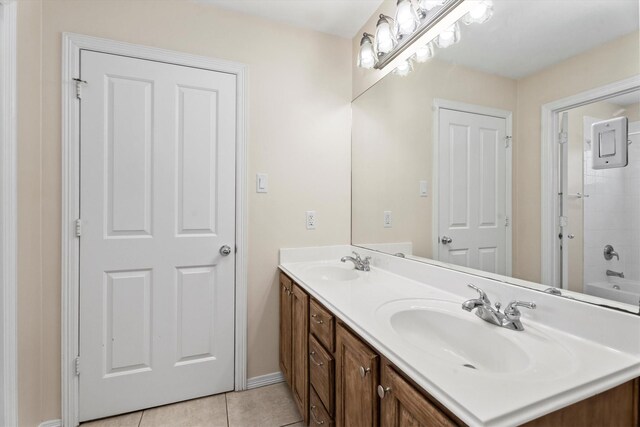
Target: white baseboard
[264,380]
[51,423]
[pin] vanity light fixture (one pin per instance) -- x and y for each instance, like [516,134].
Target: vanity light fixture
[449,36]
[424,53]
[385,40]
[394,36]
[480,13]
[404,68]
[407,20]
[366,56]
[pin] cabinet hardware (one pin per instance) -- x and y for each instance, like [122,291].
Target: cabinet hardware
[382,391]
[313,359]
[313,415]
[315,317]
[364,371]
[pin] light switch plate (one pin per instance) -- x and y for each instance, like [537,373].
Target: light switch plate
[262,183]
[424,188]
[609,143]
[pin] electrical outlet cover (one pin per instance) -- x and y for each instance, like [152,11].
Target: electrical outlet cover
[311,220]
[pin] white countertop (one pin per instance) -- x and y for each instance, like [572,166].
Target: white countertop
[579,360]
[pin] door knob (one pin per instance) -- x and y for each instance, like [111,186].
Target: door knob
[225,250]
[446,240]
[570,236]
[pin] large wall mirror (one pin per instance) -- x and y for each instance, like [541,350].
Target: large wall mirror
[513,153]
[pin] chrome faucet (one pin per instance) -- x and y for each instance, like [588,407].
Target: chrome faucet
[359,263]
[615,274]
[510,319]
[609,253]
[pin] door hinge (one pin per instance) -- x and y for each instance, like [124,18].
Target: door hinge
[563,137]
[564,221]
[77,365]
[78,227]
[79,84]
[507,141]
[506,221]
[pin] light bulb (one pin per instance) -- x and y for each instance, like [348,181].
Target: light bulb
[424,52]
[404,68]
[429,5]
[449,36]
[366,56]
[384,40]
[406,20]
[481,12]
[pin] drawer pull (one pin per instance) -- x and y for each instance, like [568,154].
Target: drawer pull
[364,371]
[382,391]
[313,359]
[287,290]
[313,415]
[315,317]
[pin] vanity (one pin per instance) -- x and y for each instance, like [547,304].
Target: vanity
[393,347]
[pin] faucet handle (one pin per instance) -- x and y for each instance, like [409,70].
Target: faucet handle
[357,256]
[512,308]
[483,296]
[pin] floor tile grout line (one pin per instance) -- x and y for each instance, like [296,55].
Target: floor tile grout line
[141,415]
[226,408]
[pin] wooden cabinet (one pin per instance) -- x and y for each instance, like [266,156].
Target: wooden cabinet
[404,406]
[285,328]
[356,381]
[294,328]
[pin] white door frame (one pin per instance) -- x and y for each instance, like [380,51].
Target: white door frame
[8,215]
[486,111]
[550,205]
[71,46]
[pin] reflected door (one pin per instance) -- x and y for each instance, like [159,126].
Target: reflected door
[157,204]
[472,202]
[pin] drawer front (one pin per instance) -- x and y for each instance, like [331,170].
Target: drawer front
[322,325]
[321,373]
[318,415]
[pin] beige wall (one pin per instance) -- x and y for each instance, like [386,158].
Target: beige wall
[299,133]
[392,131]
[608,63]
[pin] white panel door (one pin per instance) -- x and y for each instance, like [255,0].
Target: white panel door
[157,202]
[472,190]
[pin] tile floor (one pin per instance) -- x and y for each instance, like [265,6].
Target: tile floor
[270,406]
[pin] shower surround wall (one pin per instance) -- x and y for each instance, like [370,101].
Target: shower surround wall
[612,214]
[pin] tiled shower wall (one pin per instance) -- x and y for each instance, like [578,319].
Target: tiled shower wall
[612,216]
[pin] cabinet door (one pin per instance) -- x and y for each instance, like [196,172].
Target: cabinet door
[285,328]
[404,406]
[356,381]
[299,351]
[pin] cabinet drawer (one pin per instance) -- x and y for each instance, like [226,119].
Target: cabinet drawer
[318,414]
[321,373]
[322,325]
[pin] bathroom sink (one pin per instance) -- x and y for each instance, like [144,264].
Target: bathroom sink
[440,329]
[459,339]
[332,273]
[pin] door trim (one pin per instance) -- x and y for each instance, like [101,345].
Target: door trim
[550,206]
[8,214]
[72,44]
[439,104]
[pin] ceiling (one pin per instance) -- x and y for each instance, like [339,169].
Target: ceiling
[525,36]
[342,18]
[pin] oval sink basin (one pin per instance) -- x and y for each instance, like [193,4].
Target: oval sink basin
[443,330]
[332,273]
